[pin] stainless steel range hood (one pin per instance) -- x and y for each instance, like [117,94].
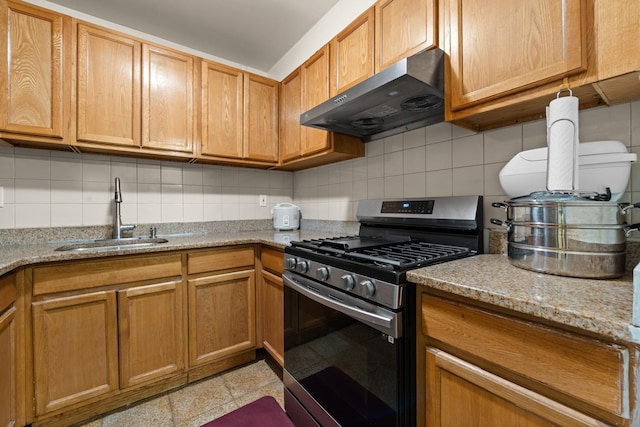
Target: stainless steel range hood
[402,97]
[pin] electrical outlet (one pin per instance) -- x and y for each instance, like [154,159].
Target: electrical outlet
[263,200]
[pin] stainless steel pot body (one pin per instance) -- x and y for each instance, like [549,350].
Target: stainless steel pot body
[568,237]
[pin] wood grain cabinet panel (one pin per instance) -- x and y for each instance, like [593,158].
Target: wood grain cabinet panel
[461,394]
[272,303]
[222,110]
[150,332]
[403,28]
[109,93]
[290,109]
[221,316]
[167,100]
[260,119]
[315,90]
[75,349]
[585,374]
[34,76]
[352,53]
[499,47]
[8,370]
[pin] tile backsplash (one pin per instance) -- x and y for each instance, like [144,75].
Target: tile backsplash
[59,189]
[446,160]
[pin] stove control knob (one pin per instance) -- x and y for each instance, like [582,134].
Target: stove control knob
[348,282]
[291,263]
[322,273]
[302,266]
[368,288]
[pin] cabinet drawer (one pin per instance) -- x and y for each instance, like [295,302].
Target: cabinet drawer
[221,259]
[272,260]
[104,272]
[589,370]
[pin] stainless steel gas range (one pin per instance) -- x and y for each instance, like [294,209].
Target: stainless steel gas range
[350,313]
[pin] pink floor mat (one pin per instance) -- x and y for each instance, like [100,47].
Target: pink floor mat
[264,412]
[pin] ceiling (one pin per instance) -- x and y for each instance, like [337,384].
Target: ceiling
[253,33]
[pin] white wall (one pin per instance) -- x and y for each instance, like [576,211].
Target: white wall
[446,160]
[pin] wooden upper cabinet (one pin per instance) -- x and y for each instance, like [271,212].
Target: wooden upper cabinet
[222,110]
[352,53]
[403,28]
[167,99]
[33,82]
[315,90]
[499,47]
[290,106]
[108,78]
[617,50]
[260,118]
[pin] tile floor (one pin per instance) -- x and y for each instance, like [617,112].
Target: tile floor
[203,401]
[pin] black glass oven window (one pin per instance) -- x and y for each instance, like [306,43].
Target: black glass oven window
[349,368]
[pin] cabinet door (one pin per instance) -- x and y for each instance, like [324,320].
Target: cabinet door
[260,118]
[8,380]
[108,106]
[315,90]
[352,54]
[75,349]
[222,108]
[221,316]
[290,110]
[403,27]
[501,46]
[167,99]
[273,315]
[31,82]
[460,394]
[150,332]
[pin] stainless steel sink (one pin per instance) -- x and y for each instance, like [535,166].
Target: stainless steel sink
[130,242]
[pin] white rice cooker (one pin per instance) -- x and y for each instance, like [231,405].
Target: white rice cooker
[286,216]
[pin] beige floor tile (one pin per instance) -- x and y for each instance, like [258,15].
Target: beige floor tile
[210,415]
[156,413]
[275,389]
[199,398]
[249,378]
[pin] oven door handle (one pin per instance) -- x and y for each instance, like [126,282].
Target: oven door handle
[383,320]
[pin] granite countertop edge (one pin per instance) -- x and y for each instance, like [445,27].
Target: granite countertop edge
[603,307]
[15,256]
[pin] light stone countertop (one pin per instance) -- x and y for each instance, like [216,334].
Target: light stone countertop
[17,255]
[604,307]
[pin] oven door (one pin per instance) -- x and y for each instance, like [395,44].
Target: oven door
[344,358]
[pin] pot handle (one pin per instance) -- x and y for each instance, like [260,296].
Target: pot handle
[502,205]
[631,228]
[503,223]
[629,207]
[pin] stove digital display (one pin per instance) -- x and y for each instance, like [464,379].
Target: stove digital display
[421,207]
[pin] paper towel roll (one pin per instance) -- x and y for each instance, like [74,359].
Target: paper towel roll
[562,140]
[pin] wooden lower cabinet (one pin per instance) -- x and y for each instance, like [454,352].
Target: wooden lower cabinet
[150,331]
[75,349]
[479,367]
[462,394]
[106,332]
[8,353]
[222,307]
[272,303]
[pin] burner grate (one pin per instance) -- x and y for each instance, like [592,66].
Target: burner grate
[398,255]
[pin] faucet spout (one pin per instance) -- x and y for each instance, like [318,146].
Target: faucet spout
[118,227]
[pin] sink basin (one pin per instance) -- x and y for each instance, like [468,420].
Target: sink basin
[132,242]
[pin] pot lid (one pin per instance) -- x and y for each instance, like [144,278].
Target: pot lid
[563,197]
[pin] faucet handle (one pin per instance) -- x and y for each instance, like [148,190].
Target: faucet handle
[153,232]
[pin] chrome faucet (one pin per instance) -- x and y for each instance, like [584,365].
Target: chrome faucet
[118,227]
